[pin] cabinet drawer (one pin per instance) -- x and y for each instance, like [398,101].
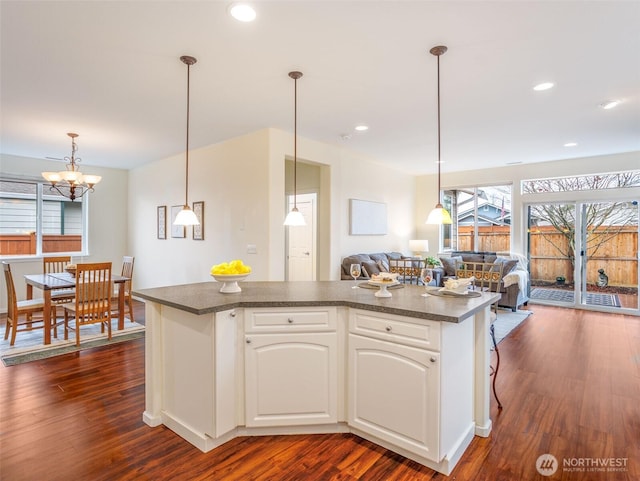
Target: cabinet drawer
[421,333]
[290,320]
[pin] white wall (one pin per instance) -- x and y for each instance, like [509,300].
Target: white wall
[108,217]
[350,176]
[426,197]
[241,182]
[232,179]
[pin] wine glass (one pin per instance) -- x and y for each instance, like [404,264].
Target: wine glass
[426,275]
[355,273]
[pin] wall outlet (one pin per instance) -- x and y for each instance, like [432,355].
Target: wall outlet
[252,249]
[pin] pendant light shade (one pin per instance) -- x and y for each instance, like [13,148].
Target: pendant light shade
[186,216]
[295,217]
[439,215]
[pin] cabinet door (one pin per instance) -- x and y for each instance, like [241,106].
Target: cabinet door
[394,394]
[291,379]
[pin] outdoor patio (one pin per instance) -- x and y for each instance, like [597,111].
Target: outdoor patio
[610,296]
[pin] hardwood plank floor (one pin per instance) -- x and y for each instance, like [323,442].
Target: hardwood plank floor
[569,382]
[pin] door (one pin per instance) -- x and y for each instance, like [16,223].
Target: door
[301,255]
[394,394]
[608,267]
[291,379]
[584,254]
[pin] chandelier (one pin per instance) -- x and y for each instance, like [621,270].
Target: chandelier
[75,183]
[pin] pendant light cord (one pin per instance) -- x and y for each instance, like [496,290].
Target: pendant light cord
[186,177]
[295,143]
[438,128]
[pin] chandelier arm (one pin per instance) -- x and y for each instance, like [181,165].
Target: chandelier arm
[72,191]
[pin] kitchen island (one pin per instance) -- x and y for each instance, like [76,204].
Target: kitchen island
[407,372]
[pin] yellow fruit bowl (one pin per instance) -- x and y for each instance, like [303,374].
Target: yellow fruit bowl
[230,282]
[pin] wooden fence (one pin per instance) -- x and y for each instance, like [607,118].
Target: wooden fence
[618,256]
[25,244]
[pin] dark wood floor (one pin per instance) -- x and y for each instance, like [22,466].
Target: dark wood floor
[570,384]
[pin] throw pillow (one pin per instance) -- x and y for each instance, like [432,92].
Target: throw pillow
[371,268]
[507,264]
[449,264]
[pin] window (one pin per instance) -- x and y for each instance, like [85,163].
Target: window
[615,180]
[481,219]
[36,221]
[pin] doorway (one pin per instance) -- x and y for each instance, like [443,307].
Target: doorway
[584,254]
[301,240]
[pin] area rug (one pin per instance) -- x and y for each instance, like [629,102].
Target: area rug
[559,295]
[29,344]
[507,321]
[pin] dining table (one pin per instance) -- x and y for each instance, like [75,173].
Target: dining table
[64,280]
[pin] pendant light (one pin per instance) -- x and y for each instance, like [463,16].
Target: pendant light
[186,216]
[295,217]
[439,215]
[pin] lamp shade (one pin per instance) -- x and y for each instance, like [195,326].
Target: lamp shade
[294,218]
[439,215]
[417,245]
[186,217]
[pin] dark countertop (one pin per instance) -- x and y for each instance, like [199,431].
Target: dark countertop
[204,298]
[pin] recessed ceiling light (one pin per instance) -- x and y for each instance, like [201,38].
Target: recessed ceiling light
[242,12]
[362,128]
[543,86]
[609,104]
[571,144]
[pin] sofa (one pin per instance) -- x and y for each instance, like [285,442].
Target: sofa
[407,267]
[515,277]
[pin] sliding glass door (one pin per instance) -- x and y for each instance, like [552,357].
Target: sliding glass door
[609,255]
[584,254]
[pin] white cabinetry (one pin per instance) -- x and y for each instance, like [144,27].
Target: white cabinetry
[394,388]
[411,385]
[291,367]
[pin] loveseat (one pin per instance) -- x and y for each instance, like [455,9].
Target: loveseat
[515,277]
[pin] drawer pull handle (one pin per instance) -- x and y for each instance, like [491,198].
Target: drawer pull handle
[433,359]
[290,321]
[388,328]
[233,314]
[248,341]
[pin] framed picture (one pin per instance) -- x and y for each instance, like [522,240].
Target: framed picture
[198,230]
[162,222]
[177,231]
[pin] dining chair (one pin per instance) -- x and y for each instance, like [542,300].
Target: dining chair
[488,278]
[408,270]
[92,303]
[127,271]
[20,314]
[54,265]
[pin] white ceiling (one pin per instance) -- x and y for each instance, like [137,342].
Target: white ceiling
[110,71]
